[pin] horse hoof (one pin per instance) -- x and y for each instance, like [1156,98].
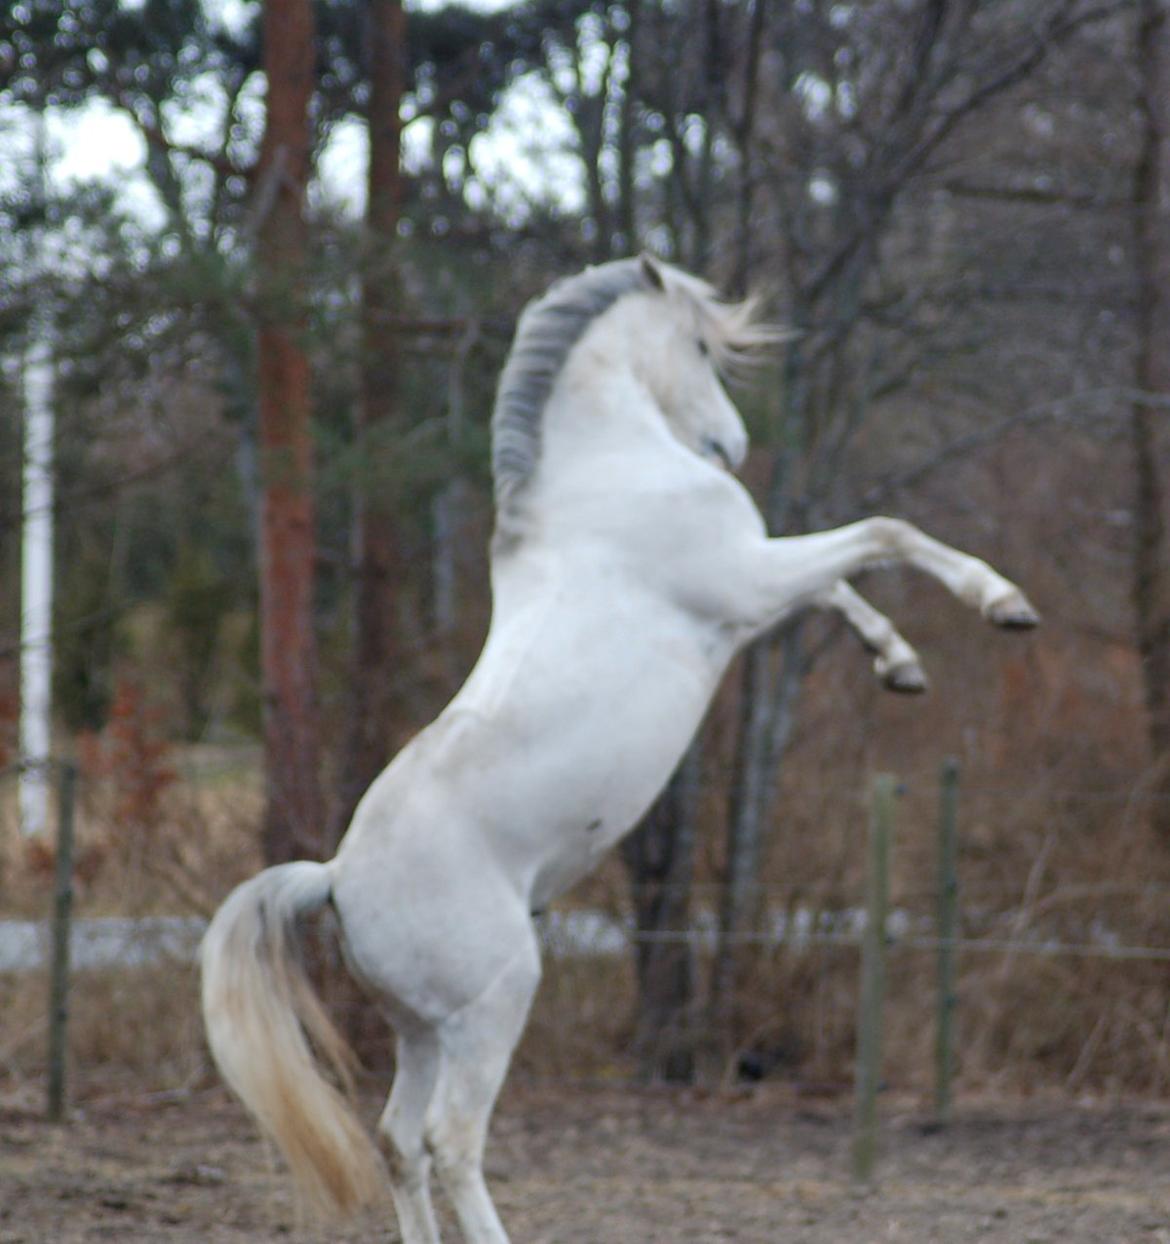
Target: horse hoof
[907,678]
[1013,613]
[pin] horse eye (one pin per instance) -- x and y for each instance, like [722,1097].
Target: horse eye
[704,349]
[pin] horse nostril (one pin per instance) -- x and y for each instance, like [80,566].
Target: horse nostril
[713,448]
[716,449]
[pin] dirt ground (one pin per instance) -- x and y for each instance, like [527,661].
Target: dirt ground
[619,1164]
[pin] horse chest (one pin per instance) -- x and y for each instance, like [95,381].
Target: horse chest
[582,788]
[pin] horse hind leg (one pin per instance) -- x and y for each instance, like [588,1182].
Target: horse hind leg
[402,1133]
[477,1044]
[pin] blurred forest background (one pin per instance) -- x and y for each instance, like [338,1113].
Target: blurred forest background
[276,340]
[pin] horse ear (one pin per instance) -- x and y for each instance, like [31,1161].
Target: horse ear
[652,274]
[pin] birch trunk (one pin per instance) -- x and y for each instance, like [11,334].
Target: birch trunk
[36,584]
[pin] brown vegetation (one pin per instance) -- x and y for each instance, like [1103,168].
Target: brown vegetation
[1055,845]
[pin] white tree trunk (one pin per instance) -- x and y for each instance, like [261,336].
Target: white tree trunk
[36,614]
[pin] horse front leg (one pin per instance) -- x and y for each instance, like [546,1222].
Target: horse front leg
[895,661]
[777,576]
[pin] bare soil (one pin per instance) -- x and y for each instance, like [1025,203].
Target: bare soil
[606,1163]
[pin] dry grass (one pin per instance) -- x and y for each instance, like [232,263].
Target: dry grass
[134,1026]
[1041,857]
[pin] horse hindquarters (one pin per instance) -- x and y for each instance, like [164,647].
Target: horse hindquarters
[257,1007]
[453,959]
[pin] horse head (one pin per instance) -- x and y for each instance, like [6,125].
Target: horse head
[683,348]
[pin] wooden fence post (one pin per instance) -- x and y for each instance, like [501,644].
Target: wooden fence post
[948,892]
[59,965]
[873,978]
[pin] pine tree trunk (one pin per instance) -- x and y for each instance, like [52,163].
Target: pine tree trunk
[378,567]
[293,820]
[1151,553]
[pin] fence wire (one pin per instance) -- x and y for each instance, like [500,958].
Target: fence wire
[707,939]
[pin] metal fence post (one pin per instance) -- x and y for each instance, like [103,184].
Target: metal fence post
[873,977]
[948,892]
[59,965]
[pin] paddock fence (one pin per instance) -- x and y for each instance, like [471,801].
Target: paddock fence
[879,926]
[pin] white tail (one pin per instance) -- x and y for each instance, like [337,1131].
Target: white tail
[261,1016]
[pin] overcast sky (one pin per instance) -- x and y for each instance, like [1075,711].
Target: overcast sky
[524,154]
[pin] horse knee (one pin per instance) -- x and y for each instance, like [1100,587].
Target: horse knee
[893,535]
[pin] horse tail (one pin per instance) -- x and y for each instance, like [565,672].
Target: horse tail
[264,1023]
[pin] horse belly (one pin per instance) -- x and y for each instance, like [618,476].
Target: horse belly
[585,786]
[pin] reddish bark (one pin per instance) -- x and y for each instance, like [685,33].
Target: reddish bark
[293,819]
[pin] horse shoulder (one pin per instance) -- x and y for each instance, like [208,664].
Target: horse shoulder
[690,530]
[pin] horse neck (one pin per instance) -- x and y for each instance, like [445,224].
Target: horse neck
[599,418]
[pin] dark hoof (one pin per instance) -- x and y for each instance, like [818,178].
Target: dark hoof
[906,679]
[1013,613]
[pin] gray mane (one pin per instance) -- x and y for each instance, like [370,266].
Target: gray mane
[549,328]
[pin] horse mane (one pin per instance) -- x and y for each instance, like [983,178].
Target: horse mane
[548,329]
[552,325]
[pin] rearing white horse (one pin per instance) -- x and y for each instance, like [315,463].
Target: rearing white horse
[628,568]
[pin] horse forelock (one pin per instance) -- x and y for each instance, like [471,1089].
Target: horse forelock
[549,329]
